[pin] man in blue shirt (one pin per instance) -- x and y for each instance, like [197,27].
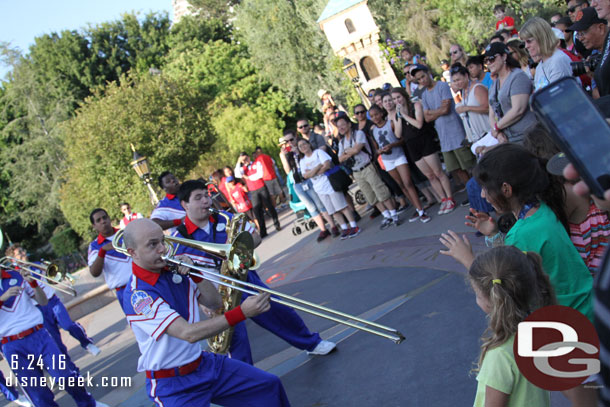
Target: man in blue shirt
[203,226]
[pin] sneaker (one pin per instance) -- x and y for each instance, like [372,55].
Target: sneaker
[465,203]
[402,209]
[396,221]
[323,235]
[335,232]
[100,404]
[441,210]
[424,218]
[449,206]
[385,223]
[353,232]
[414,217]
[23,401]
[323,348]
[345,234]
[92,349]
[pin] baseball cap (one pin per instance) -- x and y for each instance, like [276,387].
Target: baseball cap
[558,33]
[418,67]
[495,48]
[387,86]
[321,93]
[557,163]
[588,17]
[341,115]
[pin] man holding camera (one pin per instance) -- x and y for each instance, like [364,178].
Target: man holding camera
[592,32]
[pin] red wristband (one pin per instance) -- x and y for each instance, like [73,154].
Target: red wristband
[177,222]
[496,127]
[101,253]
[33,284]
[1,303]
[196,279]
[235,316]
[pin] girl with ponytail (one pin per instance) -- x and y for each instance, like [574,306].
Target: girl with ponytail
[509,285]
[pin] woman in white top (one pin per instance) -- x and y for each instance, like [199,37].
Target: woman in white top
[387,133]
[474,108]
[314,164]
[542,45]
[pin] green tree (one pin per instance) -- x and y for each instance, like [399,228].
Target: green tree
[162,117]
[288,48]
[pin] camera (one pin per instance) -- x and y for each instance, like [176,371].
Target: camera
[350,162]
[580,67]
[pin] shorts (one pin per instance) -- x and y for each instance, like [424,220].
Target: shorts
[334,202]
[460,158]
[421,146]
[273,186]
[391,164]
[371,185]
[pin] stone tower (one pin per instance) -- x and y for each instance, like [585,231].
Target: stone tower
[352,33]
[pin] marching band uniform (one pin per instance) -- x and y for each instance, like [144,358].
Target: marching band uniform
[117,266]
[178,373]
[169,208]
[25,340]
[128,218]
[55,316]
[280,319]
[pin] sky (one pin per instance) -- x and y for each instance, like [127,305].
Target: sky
[23,20]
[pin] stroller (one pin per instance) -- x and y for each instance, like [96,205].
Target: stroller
[303,220]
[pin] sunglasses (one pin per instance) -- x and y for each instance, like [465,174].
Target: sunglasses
[288,140]
[455,52]
[360,112]
[303,126]
[490,60]
[573,8]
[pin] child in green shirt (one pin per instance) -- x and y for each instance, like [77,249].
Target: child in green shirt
[508,285]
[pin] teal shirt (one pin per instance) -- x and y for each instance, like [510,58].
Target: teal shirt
[500,372]
[544,234]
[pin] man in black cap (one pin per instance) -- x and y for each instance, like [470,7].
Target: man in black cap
[592,32]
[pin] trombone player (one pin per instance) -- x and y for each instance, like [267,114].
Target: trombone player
[201,225]
[162,310]
[54,313]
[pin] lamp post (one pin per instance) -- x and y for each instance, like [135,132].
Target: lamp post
[351,70]
[140,166]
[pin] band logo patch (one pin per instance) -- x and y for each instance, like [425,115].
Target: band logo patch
[141,303]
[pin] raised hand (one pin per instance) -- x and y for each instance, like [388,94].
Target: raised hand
[458,247]
[482,222]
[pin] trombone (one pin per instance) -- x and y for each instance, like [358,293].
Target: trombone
[48,273]
[240,254]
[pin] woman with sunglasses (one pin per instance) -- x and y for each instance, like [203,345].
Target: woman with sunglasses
[543,46]
[509,115]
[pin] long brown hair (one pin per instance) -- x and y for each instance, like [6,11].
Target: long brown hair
[405,95]
[515,284]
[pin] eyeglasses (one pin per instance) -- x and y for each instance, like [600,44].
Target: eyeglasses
[573,8]
[360,112]
[288,140]
[490,60]
[304,126]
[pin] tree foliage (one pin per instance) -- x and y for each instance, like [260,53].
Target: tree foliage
[162,117]
[288,48]
[431,26]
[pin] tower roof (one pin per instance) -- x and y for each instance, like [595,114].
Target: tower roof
[335,7]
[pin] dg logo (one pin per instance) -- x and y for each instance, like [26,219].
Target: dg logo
[557,348]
